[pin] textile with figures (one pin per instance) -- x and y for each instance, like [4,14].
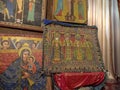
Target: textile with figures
[71,49]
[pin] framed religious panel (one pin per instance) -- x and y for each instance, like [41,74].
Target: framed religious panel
[26,14]
[74,11]
[71,49]
[21,60]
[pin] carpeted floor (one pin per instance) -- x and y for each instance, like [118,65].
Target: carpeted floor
[112,86]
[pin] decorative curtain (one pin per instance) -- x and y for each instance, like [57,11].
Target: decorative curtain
[104,14]
[119,6]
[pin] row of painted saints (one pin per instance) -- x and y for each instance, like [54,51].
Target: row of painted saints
[10,44]
[18,11]
[67,49]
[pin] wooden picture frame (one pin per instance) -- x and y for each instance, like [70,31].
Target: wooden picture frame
[23,14]
[17,49]
[74,11]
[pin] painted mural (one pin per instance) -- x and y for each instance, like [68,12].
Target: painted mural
[21,11]
[21,63]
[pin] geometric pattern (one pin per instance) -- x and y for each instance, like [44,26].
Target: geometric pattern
[71,49]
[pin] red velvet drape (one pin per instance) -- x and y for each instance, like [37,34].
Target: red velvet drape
[70,81]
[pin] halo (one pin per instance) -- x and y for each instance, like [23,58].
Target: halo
[67,34]
[57,35]
[22,48]
[4,38]
[77,36]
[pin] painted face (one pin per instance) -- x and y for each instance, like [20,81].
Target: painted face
[6,45]
[33,45]
[56,38]
[30,60]
[25,56]
[18,45]
[67,38]
[11,0]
